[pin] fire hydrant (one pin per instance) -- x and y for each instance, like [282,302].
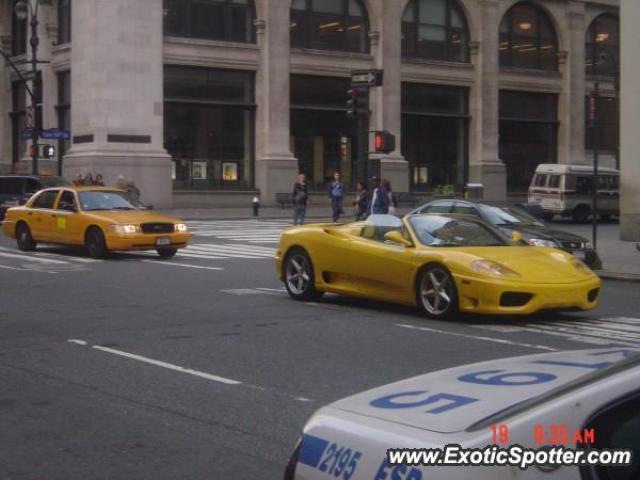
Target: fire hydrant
[256,206]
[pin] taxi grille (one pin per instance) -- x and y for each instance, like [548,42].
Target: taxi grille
[514,299]
[157,227]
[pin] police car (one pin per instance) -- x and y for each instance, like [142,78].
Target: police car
[585,399]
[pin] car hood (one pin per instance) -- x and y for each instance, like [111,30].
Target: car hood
[452,400]
[544,233]
[131,216]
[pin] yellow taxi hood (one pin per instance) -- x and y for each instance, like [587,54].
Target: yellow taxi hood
[130,216]
[455,399]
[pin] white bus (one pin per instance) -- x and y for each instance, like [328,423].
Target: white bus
[567,190]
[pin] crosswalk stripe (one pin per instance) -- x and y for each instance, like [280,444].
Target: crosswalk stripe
[215,246]
[241,251]
[221,256]
[31,258]
[586,330]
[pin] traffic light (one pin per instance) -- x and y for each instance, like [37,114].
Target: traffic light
[48,151]
[358,102]
[383,141]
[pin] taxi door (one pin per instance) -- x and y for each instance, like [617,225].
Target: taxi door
[68,225]
[41,217]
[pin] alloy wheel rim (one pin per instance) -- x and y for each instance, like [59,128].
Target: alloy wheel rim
[436,291]
[298,274]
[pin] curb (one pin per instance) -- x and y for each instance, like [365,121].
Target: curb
[619,277]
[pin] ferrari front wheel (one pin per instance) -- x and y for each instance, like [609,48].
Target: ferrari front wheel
[436,292]
[299,276]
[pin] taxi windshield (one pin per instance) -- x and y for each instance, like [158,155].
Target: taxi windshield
[104,200]
[442,231]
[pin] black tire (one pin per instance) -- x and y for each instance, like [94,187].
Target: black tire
[581,214]
[167,252]
[436,292]
[95,243]
[25,241]
[299,279]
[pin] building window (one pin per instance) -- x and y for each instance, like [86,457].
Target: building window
[64,21]
[528,39]
[340,25]
[607,110]
[434,135]
[63,109]
[435,29]
[603,46]
[209,127]
[227,20]
[18,120]
[528,134]
[18,36]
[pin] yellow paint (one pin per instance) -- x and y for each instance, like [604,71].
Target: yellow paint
[61,222]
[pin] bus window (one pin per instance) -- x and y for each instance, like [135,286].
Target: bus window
[584,186]
[540,180]
[554,181]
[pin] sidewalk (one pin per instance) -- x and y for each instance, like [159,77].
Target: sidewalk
[620,260]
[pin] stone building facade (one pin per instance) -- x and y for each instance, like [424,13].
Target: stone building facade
[207,103]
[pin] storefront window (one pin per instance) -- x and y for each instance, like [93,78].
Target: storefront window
[603,46]
[322,137]
[64,21]
[528,39]
[227,20]
[435,29]
[209,123]
[608,115]
[340,25]
[434,135]
[528,134]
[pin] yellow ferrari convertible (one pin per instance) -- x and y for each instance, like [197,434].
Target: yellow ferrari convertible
[444,264]
[100,218]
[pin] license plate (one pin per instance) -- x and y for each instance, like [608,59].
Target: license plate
[579,254]
[163,240]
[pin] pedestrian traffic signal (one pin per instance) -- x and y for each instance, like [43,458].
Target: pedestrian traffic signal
[384,142]
[358,102]
[48,151]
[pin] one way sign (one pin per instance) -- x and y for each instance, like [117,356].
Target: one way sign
[366,78]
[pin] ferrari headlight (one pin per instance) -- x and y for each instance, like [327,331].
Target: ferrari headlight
[125,228]
[493,268]
[539,242]
[181,227]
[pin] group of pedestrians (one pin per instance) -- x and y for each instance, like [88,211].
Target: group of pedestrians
[377,198]
[121,183]
[88,179]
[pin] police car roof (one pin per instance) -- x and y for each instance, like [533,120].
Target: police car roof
[469,396]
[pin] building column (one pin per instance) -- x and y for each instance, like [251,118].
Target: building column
[276,167]
[629,121]
[387,113]
[484,165]
[571,101]
[5,100]
[117,95]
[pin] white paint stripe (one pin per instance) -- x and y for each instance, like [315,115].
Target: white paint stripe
[219,255]
[579,337]
[486,339]
[76,341]
[10,268]
[67,257]
[192,254]
[214,246]
[246,250]
[169,366]
[279,290]
[584,331]
[31,258]
[174,264]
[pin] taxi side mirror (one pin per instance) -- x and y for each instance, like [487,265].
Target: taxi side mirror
[516,236]
[395,236]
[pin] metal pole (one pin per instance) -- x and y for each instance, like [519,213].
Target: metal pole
[36,90]
[596,146]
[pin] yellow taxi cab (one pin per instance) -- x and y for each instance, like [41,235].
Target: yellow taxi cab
[103,219]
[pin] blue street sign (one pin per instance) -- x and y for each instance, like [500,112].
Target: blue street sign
[25,134]
[47,134]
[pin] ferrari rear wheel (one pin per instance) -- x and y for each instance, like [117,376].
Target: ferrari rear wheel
[436,292]
[299,275]
[25,241]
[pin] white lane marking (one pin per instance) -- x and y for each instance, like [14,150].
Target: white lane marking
[31,258]
[249,291]
[77,342]
[67,257]
[486,339]
[11,268]
[279,290]
[174,264]
[170,366]
[233,248]
[227,253]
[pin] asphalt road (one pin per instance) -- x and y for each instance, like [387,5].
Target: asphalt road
[202,367]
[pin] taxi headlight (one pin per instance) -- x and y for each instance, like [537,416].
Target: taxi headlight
[125,228]
[493,268]
[181,227]
[540,242]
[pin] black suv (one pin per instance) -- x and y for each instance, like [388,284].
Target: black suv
[17,189]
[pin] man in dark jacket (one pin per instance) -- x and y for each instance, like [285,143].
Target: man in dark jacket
[300,198]
[336,192]
[379,203]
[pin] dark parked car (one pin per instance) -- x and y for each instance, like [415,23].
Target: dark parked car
[17,189]
[513,218]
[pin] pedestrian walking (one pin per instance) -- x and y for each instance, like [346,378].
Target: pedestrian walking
[79,180]
[393,203]
[88,179]
[360,201]
[300,199]
[379,204]
[133,191]
[336,192]
[121,183]
[99,180]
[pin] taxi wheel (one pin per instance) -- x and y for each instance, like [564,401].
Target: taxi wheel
[299,275]
[167,252]
[436,292]
[95,243]
[25,241]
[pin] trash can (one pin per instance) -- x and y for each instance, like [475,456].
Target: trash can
[474,191]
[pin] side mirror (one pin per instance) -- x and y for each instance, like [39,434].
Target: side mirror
[395,236]
[516,236]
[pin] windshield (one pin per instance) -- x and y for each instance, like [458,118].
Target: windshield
[441,231]
[105,201]
[508,216]
[48,182]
